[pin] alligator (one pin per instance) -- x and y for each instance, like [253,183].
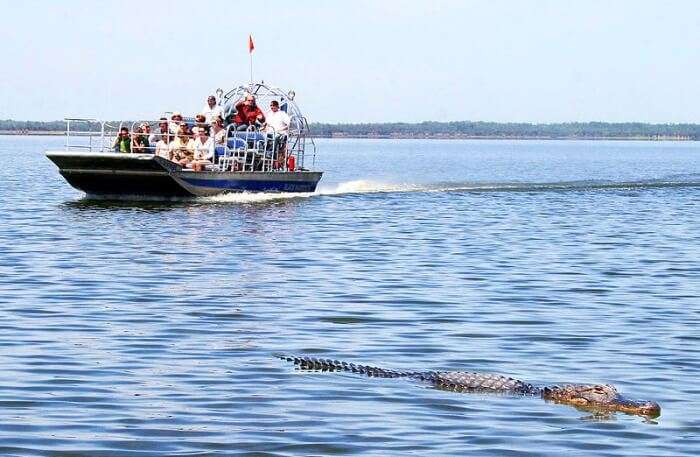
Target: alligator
[591,397]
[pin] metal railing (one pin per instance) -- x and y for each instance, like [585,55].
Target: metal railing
[250,150]
[91,136]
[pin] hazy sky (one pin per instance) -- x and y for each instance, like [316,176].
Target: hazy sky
[535,61]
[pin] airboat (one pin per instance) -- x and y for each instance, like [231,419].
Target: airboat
[247,161]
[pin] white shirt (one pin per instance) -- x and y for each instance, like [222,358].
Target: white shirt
[203,151]
[174,126]
[220,136]
[181,149]
[212,113]
[163,149]
[279,121]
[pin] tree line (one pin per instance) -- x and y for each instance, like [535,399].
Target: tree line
[461,129]
[10,125]
[510,130]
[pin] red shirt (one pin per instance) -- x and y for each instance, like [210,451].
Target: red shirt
[247,114]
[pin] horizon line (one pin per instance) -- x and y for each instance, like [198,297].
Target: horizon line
[406,122]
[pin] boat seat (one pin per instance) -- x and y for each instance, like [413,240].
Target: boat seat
[235,143]
[247,150]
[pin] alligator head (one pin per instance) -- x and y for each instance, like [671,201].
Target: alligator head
[600,397]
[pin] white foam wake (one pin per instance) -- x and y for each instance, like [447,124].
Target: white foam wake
[349,187]
[367,187]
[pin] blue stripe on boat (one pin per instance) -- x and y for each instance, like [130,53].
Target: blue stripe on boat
[253,185]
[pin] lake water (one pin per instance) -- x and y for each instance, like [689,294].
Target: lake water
[148,328]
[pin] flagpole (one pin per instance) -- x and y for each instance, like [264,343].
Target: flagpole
[251,46]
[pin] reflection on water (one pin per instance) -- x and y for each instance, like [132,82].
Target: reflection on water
[147,328]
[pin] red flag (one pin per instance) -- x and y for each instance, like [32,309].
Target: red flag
[251,46]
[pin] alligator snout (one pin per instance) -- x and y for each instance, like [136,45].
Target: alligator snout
[601,397]
[641,408]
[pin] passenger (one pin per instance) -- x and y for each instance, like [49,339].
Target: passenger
[231,121]
[139,143]
[200,121]
[123,142]
[163,146]
[163,130]
[218,131]
[152,137]
[248,113]
[211,110]
[276,121]
[182,147]
[277,124]
[175,121]
[146,137]
[203,149]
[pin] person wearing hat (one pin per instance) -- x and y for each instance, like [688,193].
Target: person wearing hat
[175,122]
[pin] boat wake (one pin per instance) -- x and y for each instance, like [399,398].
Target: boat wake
[373,187]
[350,187]
[376,187]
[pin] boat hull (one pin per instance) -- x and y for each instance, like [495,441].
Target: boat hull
[116,174]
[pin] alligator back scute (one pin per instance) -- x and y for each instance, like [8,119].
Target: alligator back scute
[487,382]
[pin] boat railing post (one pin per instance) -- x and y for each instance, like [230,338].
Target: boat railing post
[102,135]
[313,143]
[270,153]
[132,135]
[67,133]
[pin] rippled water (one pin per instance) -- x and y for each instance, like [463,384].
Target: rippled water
[148,328]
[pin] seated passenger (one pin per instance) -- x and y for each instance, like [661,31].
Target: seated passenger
[182,147]
[218,131]
[175,122]
[147,135]
[163,146]
[153,138]
[211,110]
[248,114]
[123,142]
[140,143]
[200,121]
[203,149]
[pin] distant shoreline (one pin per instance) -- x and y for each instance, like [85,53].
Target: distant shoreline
[429,136]
[428,130]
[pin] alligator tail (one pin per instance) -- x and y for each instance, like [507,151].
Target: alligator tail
[316,364]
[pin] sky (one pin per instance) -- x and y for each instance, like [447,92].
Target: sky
[359,61]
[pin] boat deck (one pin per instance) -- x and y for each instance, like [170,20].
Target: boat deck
[99,174]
